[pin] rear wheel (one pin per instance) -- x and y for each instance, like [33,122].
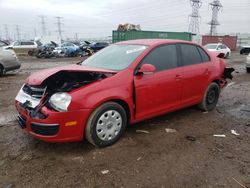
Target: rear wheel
[210,97]
[106,124]
[248,70]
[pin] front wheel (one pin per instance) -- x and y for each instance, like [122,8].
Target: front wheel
[210,97]
[106,124]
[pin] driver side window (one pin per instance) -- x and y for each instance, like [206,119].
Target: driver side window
[162,57]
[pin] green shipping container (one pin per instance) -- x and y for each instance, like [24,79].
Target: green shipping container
[118,36]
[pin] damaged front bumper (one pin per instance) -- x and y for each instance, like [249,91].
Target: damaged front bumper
[54,126]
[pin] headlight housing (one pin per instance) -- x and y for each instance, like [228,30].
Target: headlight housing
[60,101]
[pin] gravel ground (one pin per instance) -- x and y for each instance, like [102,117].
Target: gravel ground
[189,157]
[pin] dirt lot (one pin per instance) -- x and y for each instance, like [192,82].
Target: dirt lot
[156,159]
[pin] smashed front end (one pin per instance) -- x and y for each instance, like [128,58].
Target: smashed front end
[47,110]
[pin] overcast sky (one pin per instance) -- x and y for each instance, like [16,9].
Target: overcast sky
[97,18]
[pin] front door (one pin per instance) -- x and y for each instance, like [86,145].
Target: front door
[161,91]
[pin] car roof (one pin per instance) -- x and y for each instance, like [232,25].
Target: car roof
[153,42]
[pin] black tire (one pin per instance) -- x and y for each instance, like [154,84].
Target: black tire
[210,97]
[1,71]
[91,127]
[31,53]
[248,70]
[227,56]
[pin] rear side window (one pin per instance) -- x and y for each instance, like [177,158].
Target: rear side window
[190,54]
[204,56]
[223,47]
[163,57]
[27,43]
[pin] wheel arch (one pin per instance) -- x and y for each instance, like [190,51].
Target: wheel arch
[125,106]
[119,101]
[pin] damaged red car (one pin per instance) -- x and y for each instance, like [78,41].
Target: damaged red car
[122,84]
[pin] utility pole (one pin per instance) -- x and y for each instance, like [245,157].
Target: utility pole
[215,6]
[6,31]
[43,25]
[76,36]
[18,32]
[59,26]
[194,26]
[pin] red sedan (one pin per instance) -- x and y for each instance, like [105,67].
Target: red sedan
[122,84]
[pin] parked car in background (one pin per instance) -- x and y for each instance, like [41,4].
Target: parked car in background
[245,50]
[23,47]
[8,59]
[248,63]
[46,50]
[219,47]
[96,46]
[67,49]
[124,83]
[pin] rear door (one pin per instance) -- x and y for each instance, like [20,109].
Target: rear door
[160,91]
[196,70]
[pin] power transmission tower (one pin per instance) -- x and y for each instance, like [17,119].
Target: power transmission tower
[59,26]
[43,25]
[215,6]
[6,31]
[18,32]
[194,26]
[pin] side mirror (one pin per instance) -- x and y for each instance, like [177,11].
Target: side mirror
[146,69]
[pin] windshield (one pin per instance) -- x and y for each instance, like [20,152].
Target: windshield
[211,46]
[115,57]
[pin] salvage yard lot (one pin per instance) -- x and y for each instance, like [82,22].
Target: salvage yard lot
[151,158]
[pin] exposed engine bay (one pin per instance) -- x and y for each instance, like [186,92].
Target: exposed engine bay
[33,98]
[67,81]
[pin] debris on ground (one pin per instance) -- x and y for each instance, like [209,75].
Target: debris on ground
[142,131]
[205,112]
[170,130]
[218,110]
[245,110]
[234,132]
[219,135]
[239,183]
[191,138]
[230,84]
[248,124]
[105,171]
[139,158]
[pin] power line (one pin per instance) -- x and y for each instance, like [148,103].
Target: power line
[59,26]
[43,25]
[194,26]
[215,6]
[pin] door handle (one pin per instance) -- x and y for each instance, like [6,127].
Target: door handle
[206,72]
[178,77]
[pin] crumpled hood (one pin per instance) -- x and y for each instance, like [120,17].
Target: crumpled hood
[38,77]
